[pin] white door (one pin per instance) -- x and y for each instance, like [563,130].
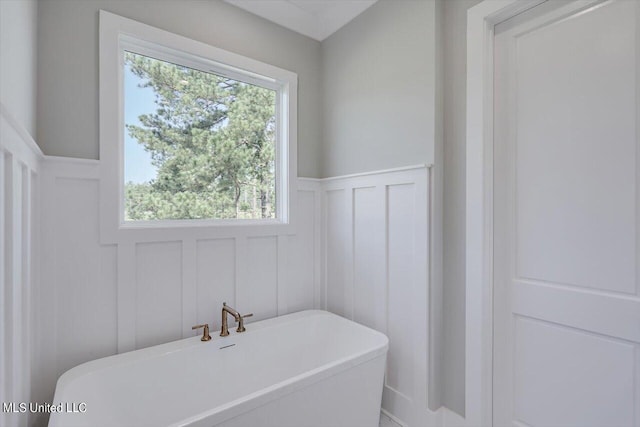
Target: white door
[566,216]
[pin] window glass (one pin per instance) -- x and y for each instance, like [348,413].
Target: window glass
[197,145]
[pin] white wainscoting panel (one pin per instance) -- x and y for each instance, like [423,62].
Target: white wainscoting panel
[369,263]
[19,169]
[97,300]
[360,249]
[337,249]
[216,278]
[77,298]
[86,301]
[302,290]
[376,263]
[158,293]
[401,216]
[258,287]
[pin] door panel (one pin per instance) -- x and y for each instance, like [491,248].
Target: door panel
[566,306]
[548,376]
[575,149]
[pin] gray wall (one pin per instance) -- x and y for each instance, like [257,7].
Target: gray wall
[379,89]
[18,29]
[383,108]
[455,51]
[68,64]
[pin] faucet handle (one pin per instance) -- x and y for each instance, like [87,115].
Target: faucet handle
[205,332]
[241,327]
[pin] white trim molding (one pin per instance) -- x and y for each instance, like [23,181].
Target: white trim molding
[481,20]
[20,164]
[377,269]
[22,143]
[378,172]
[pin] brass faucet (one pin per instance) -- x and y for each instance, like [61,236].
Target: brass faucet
[239,318]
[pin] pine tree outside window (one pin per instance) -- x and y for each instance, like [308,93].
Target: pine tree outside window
[198,144]
[195,141]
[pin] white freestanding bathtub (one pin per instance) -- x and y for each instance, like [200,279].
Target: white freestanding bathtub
[311,368]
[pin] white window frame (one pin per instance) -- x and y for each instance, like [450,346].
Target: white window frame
[118,34]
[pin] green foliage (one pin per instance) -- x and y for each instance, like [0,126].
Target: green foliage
[212,141]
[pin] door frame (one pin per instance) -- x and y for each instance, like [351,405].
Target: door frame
[481,20]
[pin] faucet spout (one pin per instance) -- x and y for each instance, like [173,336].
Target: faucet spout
[224,331]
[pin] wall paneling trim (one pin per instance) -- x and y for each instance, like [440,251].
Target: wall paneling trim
[102,299]
[361,249]
[19,170]
[376,271]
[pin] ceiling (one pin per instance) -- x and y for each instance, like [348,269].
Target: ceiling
[317,19]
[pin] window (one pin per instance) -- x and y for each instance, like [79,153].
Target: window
[191,134]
